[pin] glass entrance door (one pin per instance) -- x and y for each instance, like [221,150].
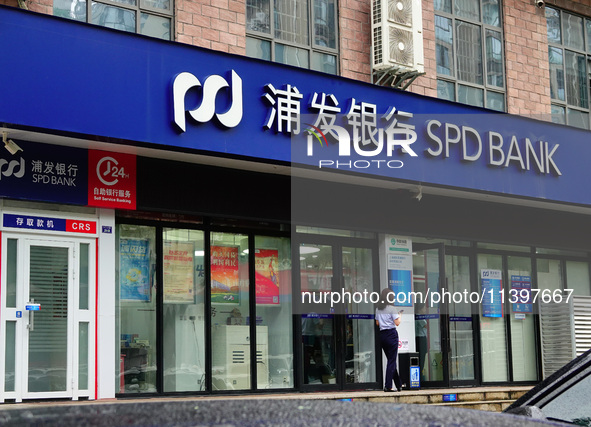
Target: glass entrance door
[444,321]
[47,358]
[430,315]
[48,318]
[337,327]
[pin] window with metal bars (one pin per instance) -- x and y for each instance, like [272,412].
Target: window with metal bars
[469,52]
[569,52]
[149,17]
[302,33]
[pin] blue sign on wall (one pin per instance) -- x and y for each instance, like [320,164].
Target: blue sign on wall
[492,293]
[415,377]
[45,172]
[270,112]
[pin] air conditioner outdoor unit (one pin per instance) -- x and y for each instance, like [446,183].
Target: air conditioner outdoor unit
[397,35]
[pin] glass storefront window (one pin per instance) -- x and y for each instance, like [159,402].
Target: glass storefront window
[577,278]
[522,323]
[274,313]
[360,329]
[317,319]
[426,278]
[492,323]
[183,310]
[549,274]
[136,302]
[230,331]
[461,357]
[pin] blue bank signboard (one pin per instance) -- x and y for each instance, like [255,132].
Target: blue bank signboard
[116,86]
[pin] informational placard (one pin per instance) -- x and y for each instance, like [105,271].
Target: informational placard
[267,278]
[399,262]
[415,377]
[225,280]
[111,180]
[492,285]
[31,222]
[178,269]
[134,271]
[521,292]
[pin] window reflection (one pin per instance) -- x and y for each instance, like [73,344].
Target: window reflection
[113,17]
[183,310]
[136,284]
[274,313]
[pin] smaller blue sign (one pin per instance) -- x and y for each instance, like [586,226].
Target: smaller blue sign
[492,293]
[426,316]
[19,314]
[360,316]
[400,281]
[460,319]
[34,222]
[450,397]
[415,377]
[107,229]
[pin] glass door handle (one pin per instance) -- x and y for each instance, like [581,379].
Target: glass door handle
[31,307]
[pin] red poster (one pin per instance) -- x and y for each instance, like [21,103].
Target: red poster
[111,180]
[267,276]
[225,278]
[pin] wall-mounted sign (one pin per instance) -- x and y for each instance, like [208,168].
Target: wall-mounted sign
[491,282]
[521,292]
[69,175]
[111,180]
[29,222]
[348,125]
[399,263]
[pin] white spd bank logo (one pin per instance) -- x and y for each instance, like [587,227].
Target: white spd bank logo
[10,168]
[212,85]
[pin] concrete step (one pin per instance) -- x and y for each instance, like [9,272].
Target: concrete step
[486,399]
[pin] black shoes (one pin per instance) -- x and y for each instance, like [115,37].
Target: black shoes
[391,390]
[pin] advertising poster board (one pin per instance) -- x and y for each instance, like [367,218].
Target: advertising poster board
[134,276]
[267,276]
[178,268]
[399,262]
[225,280]
[521,287]
[492,285]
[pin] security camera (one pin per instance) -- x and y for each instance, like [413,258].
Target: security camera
[540,3]
[10,145]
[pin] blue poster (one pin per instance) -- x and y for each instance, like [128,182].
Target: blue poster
[521,292]
[400,281]
[492,296]
[134,272]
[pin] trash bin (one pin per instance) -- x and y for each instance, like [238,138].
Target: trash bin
[406,361]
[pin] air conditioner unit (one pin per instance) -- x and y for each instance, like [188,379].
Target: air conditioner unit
[397,35]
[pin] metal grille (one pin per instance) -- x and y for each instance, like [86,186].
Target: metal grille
[557,334]
[582,317]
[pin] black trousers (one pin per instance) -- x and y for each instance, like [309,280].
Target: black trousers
[389,343]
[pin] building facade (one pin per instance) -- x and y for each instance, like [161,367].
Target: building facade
[206,197]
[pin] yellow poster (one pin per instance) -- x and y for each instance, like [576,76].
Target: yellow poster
[179,285]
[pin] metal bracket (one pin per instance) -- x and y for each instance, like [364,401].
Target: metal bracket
[396,77]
